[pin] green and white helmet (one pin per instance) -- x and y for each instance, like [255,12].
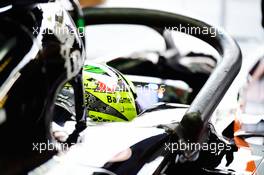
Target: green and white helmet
[108,95]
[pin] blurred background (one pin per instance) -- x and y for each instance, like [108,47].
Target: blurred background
[240,18]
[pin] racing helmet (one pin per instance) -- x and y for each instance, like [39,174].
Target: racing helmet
[108,96]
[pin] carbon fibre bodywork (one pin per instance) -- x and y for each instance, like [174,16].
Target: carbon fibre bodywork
[40,50]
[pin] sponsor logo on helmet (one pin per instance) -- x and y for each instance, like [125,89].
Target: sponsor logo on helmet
[111,99]
[99,86]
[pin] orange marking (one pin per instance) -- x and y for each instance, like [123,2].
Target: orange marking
[240,142]
[251,166]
